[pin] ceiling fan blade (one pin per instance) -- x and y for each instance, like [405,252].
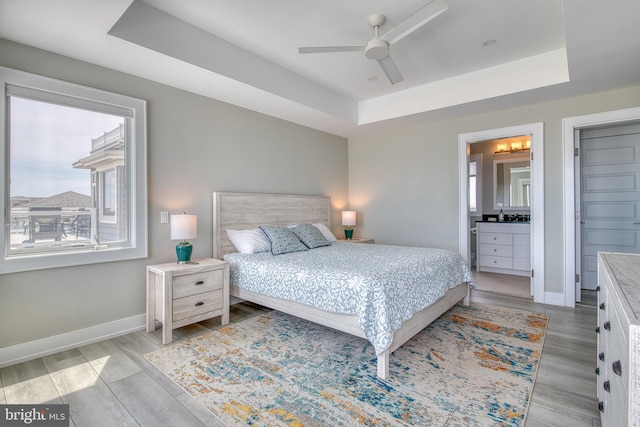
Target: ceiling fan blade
[390,69]
[328,49]
[415,21]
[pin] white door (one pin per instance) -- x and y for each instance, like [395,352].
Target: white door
[609,189]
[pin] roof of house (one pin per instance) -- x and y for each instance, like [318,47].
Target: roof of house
[68,199]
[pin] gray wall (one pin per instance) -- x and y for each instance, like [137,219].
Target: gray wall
[404,185]
[195,146]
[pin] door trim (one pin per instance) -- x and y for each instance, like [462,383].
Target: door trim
[569,126]
[536,130]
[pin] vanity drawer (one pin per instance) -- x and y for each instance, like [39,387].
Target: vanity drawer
[496,261]
[197,283]
[496,238]
[496,250]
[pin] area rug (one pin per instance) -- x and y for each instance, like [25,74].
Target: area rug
[474,366]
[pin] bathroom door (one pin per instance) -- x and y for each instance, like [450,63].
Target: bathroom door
[609,217]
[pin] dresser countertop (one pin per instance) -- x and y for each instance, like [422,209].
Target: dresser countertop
[626,269]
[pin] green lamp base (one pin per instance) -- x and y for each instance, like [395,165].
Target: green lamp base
[183,251]
[348,233]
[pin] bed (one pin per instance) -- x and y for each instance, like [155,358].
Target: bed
[378,316]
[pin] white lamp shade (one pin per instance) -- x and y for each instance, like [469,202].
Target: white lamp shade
[184,227]
[348,218]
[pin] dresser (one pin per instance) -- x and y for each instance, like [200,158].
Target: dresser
[618,330]
[182,294]
[503,248]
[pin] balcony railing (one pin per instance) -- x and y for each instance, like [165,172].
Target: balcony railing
[49,226]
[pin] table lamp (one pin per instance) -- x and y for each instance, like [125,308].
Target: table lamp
[348,220]
[184,227]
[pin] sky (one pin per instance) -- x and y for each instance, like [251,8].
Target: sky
[46,139]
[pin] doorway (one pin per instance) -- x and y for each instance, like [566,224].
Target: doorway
[572,127]
[535,130]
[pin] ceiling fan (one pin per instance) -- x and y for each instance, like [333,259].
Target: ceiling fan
[378,47]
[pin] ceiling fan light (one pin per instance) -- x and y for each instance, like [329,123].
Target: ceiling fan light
[377,49]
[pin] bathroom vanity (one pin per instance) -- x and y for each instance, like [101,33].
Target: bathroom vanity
[504,247]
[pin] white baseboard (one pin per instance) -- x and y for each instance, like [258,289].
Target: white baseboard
[554,298]
[45,346]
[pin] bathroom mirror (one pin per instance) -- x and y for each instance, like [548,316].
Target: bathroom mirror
[511,184]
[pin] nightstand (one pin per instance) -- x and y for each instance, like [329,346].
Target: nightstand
[182,294]
[358,240]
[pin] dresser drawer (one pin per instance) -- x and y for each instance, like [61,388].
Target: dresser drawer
[496,250]
[495,261]
[194,305]
[197,283]
[495,238]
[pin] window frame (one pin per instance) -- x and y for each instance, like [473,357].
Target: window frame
[135,170]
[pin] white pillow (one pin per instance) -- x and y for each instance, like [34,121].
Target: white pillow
[249,241]
[326,232]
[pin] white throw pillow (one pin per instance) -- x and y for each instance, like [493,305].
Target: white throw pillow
[249,241]
[326,232]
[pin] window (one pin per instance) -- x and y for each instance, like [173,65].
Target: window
[475,183]
[75,180]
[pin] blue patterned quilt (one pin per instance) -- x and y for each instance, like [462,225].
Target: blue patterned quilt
[382,285]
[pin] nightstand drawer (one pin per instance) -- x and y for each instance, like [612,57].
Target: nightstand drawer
[194,305]
[197,283]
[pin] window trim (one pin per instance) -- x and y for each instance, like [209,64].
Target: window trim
[135,170]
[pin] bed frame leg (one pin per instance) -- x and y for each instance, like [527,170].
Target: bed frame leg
[467,297]
[383,365]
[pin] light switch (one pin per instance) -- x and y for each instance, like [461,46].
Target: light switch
[164,217]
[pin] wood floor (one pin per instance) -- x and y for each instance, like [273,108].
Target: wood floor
[111,384]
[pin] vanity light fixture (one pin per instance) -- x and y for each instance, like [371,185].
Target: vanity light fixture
[513,147]
[501,147]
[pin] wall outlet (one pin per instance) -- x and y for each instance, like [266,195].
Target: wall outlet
[164,217]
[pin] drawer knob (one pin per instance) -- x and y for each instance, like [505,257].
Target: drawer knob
[617,367]
[597,329]
[598,371]
[601,356]
[601,406]
[601,306]
[607,325]
[199,282]
[607,386]
[199,303]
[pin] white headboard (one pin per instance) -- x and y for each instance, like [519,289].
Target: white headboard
[239,211]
